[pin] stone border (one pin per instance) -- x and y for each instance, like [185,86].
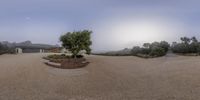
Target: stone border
[59,65]
[47,62]
[54,70]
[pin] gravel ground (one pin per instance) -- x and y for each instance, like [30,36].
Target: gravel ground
[26,77]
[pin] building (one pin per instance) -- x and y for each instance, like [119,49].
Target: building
[28,47]
[18,50]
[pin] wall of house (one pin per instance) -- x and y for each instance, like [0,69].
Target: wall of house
[31,50]
[42,50]
[18,50]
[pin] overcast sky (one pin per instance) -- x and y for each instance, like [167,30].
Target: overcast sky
[116,24]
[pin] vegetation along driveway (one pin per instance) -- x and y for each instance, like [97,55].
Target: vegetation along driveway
[26,77]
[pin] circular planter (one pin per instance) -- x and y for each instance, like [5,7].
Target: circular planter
[69,63]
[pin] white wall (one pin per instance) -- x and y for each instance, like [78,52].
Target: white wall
[18,50]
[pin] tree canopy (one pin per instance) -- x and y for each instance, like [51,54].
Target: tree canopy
[154,49]
[77,41]
[188,45]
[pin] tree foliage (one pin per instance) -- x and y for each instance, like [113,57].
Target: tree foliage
[1,47]
[154,49]
[77,41]
[157,51]
[188,45]
[136,50]
[146,45]
[4,49]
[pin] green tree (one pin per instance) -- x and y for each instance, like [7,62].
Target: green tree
[154,44]
[194,40]
[77,41]
[165,45]
[194,45]
[136,50]
[146,45]
[157,51]
[185,40]
[188,45]
[1,48]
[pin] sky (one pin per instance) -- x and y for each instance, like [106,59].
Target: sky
[116,24]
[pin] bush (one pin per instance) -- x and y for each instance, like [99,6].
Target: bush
[180,48]
[193,47]
[5,49]
[198,50]
[57,56]
[165,45]
[149,50]
[188,45]
[63,56]
[136,50]
[145,51]
[157,51]
[77,56]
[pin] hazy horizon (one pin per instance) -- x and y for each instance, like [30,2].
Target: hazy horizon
[115,24]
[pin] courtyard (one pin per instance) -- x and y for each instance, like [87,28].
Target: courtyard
[26,77]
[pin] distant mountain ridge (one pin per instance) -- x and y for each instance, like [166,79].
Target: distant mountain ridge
[28,44]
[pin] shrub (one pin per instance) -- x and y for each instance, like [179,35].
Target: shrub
[145,51]
[180,48]
[198,50]
[193,47]
[63,55]
[165,45]
[149,50]
[5,49]
[188,45]
[57,56]
[77,56]
[136,50]
[157,51]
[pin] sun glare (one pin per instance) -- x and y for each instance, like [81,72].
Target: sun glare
[139,32]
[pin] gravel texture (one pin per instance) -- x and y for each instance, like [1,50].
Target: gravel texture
[26,77]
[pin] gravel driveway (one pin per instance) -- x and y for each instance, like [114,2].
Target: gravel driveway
[26,77]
